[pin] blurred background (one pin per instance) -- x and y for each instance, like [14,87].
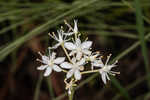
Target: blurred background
[120,27]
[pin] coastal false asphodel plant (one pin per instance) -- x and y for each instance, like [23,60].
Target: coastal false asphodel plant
[78,55]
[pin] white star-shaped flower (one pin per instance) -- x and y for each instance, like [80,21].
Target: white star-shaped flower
[106,69]
[60,39]
[75,68]
[50,62]
[95,60]
[78,48]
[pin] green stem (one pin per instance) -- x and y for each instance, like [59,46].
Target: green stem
[62,45]
[90,71]
[71,95]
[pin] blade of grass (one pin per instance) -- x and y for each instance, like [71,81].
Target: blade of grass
[132,85]
[37,89]
[132,8]
[50,87]
[4,30]
[141,31]
[122,90]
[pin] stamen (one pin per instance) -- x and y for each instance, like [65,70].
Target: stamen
[65,21]
[108,57]
[39,60]
[86,39]
[114,72]
[115,62]
[53,33]
[40,53]
[62,27]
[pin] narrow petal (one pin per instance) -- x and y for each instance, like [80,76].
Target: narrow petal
[111,66]
[81,62]
[66,65]
[73,60]
[53,56]
[70,73]
[107,77]
[56,45]
[69,46]
[60,35]
[69,91]
[103,75]
[45,59]
[78,42]
[48,71]
[98,63]
[77,75]
[87,52]
[59,60]
[72,52]
[86,44]
[57,68]
[79,55]
[69,33]
[42,67]
[75,27]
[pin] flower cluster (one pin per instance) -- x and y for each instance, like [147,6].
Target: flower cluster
[78,56]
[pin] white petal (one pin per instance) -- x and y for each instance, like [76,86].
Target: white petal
[56,45]
[87,52]
[72,52]
[42,67]
[107,77]
[75,27]
[79,55]
[45,59]
[69,33]
[98,63]
[70,73]
[60,35]
[59,60]
[53,56]
[77,75]
[69,46]
[69,91]
[81,62]
[103,75]
[48,71]
[66,65]
[86,44]
[78,42]
[57,68]
[73,60]
[111,66]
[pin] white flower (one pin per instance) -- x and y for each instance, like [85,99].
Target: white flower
[50,63]
[106,69]
[79,48]
[60,39]
[75,68]
[95,60]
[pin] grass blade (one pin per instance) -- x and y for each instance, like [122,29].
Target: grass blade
[141,31]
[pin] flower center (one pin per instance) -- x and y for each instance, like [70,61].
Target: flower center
[51,63]
[79,49]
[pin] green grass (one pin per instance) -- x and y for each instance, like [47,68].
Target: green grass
[141,31]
